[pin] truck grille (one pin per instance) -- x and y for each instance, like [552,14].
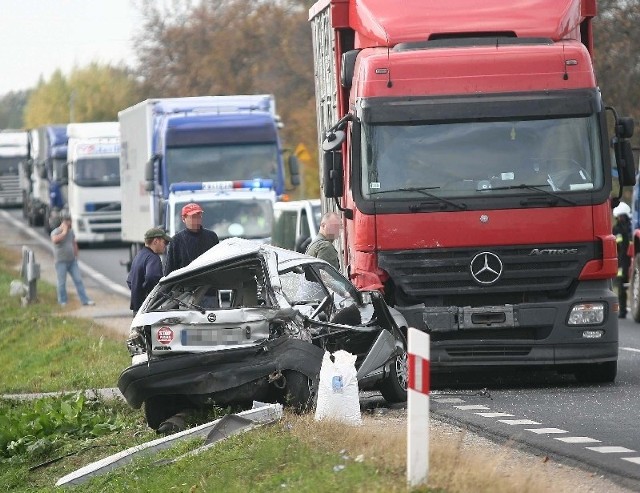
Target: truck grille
[10,191]
[446,273]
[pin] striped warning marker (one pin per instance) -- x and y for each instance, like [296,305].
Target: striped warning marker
[418,407]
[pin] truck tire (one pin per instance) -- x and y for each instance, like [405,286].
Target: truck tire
[25,205]
[634,299]
[597,372]
[46,221]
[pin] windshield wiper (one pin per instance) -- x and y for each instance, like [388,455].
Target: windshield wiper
[423,191]
[536,188]
[185,304]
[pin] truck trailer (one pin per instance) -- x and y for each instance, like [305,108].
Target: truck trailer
[466,147]
[92,194]
[223,152]
[14,149]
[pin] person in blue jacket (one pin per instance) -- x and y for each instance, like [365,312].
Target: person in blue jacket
[146,267]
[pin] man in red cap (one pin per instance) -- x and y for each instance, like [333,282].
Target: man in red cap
[191,242]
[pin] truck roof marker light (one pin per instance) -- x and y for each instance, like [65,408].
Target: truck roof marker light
[571,62]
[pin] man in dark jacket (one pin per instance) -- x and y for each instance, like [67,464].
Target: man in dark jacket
[622,232]
[191,242]
[146,268]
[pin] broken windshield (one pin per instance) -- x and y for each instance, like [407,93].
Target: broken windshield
[476,158]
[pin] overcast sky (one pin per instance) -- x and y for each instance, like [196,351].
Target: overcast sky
[39,36]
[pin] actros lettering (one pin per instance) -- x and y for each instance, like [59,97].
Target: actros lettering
[554,251]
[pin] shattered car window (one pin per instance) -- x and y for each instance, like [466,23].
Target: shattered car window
[237,285]
[301,286]
[342,291]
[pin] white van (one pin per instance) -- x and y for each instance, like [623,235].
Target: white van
[296,223]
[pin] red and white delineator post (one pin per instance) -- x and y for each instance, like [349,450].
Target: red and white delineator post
[418,407]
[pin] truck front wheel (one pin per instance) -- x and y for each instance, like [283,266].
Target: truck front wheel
[635,289]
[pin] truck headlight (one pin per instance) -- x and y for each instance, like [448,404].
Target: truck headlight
[586,314]
[81,226]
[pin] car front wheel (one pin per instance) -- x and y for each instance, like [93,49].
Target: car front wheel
[394,385]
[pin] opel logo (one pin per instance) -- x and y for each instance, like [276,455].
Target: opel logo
[211,317]
[486,268]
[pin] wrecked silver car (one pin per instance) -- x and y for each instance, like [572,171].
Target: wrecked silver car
[246,321]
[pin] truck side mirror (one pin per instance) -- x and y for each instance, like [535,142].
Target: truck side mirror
[347,68]
[42,170]
[334,140]
[332,174]
[624,127]
[624,160]
[294,170]
[148,173]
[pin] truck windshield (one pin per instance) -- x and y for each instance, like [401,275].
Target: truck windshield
[9,165]
[251,219]
[222,163]
[481,157]
[97,172]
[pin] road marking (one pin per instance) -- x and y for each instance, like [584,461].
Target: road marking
[541,431]
[518,422]
[635,460]
[611,450]
[472,408]
[631,349]
[493,415]
[578,440]
[449,400]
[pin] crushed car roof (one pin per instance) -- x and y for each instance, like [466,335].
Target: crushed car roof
[236,248]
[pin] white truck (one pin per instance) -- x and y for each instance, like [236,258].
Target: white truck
[222,152]
[93,190]
[13,150]
[296,223]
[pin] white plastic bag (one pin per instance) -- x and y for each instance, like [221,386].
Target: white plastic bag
[338,397]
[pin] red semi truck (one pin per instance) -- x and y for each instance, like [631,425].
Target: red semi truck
[466,146]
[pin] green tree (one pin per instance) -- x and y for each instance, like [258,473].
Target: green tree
[91,94]
[12,107]
[49,102]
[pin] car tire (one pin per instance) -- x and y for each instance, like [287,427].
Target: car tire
[394,386]
[300,392]
[597,373]
[634,299]
[160,408]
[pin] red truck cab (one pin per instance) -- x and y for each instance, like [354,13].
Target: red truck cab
[466,146]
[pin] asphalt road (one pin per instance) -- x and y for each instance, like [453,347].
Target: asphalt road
[593,425]
[596,426]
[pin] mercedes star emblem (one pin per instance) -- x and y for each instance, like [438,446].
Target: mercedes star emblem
[486,268]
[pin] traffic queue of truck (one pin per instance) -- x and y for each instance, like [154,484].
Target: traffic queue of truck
[223,152]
